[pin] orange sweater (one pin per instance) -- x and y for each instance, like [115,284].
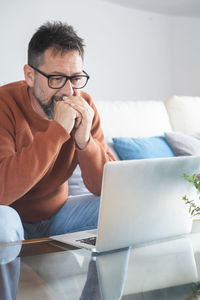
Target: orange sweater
[37,156]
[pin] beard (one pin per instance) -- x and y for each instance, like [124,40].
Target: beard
[49,107]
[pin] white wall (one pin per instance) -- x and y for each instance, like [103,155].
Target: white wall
[130,54]
[185,59]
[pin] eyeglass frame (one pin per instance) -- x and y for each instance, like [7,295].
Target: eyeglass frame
[66,78]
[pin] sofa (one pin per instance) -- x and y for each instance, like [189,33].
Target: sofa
[147,129]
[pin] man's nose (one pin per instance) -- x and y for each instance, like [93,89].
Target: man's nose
[67,89]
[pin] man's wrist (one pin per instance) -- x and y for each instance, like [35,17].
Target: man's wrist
[82,146]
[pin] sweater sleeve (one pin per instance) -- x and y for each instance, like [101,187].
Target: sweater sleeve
[21,170]
[93,157]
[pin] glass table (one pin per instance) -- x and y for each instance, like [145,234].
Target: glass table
[46,269]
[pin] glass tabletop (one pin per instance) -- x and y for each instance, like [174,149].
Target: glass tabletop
[167,269]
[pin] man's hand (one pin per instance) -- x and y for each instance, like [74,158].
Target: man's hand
[84,123]
[72,112]
[66,116]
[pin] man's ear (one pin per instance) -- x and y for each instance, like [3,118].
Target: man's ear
[29,75]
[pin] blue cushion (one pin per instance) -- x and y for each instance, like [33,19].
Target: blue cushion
[145,147]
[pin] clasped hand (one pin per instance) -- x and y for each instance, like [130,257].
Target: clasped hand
[75,112]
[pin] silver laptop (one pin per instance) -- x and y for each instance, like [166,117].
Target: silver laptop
[141,201]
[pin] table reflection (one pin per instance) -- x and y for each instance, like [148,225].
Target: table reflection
[165,270]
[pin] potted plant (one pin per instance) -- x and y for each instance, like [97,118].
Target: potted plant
[194,209]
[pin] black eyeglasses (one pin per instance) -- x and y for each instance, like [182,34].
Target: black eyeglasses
[58,81]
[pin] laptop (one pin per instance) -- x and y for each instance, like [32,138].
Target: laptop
[141,201]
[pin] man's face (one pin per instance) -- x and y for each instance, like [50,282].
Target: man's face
[69,63]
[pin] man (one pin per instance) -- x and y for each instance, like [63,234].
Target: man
[47,127]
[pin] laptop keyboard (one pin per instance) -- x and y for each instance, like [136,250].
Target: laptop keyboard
[90,241]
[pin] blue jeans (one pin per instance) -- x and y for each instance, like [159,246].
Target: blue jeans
[11,229]
[78,213]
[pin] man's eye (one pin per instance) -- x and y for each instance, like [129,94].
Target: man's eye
[77,78]
[57,78]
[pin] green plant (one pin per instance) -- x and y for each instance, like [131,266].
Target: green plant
[195,180]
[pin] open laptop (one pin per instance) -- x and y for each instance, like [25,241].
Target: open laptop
[141,201]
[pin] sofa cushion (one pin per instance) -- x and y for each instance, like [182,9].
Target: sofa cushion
[183,144]
[76,185]
[133,118]
[110,144]
[184,113]
[138,148]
